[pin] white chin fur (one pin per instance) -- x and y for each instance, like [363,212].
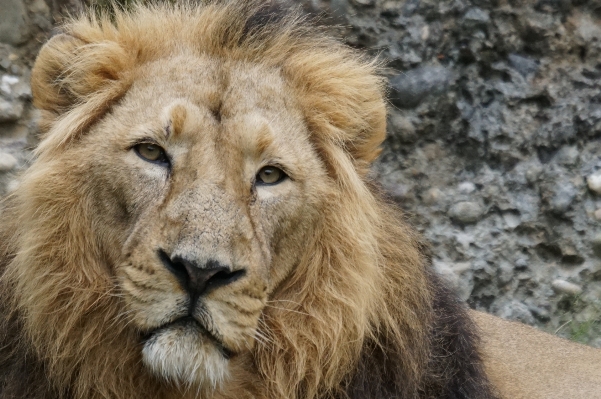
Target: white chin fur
[181,354]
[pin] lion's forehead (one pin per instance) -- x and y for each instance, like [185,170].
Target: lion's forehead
[232,88]
[246,108]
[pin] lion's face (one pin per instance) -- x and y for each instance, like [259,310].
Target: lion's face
[217,186]
[198,205]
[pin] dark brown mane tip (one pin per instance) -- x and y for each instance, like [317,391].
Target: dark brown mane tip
[264,17]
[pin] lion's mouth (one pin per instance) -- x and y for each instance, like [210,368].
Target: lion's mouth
[190,323]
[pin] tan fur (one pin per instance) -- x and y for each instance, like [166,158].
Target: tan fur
[524,363]
[330,268]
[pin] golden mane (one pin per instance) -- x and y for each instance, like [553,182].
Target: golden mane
[361,313]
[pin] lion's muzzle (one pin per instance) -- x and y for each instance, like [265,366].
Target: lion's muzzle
[198,279]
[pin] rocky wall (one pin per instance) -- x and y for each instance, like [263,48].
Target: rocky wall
[494,139]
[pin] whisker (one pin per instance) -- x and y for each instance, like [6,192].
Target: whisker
[288,310]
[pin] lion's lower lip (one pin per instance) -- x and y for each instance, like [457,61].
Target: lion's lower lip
[183,322]
[192,323]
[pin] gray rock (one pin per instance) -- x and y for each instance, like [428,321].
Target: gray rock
[10,111]
[566,287]
[562,196]
[14,28]
[540,313]
[7,83]
[466,212]
[402,128]
[568,156]
[533,173]
[432,196]
[524,65]
[390,8]
[596,244]
[516,310]
[409,88]
[588,29]
[458,275]
[476,17]
[7,162]
[594,182]
[339,8]
[505,272]
[4,63]
[512,219]
[466,187]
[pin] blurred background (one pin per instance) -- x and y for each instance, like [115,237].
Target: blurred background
[494,146]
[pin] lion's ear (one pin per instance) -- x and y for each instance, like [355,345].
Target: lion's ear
[69,71]
[51,67]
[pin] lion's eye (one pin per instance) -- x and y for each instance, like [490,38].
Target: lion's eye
[151,153]
[270,175]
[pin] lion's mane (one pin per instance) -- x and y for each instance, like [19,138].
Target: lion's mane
[361,316]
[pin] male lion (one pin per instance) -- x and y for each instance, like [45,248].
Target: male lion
[199,223]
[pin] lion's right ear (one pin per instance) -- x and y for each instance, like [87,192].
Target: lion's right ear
[49,72]
[70,71]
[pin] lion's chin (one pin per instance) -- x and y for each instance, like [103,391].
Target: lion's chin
[183,354]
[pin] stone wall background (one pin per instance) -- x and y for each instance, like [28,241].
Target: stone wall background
[494,139]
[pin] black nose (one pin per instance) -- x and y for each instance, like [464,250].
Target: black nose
[198,279]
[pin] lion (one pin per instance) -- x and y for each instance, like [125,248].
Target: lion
[199,221]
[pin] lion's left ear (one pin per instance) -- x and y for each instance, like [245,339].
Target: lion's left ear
[70,71]
[343,96]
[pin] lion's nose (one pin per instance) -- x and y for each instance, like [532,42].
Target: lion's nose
[199,279]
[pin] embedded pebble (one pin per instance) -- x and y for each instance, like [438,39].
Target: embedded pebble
[533,173]
[524,65]
[566,287]
[594,182]
[521,263]
[568,156]
[512,220]
[466,212]
[7,162]
[365,2]
[10,111]
[7,82]
[563,195]
[476,17]
[505,272]
[432,196]
[467,187]
[598,214]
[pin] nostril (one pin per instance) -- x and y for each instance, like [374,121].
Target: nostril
[224,277]
[178,269]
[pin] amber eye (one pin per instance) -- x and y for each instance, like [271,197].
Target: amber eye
[270,175]
[151,153]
